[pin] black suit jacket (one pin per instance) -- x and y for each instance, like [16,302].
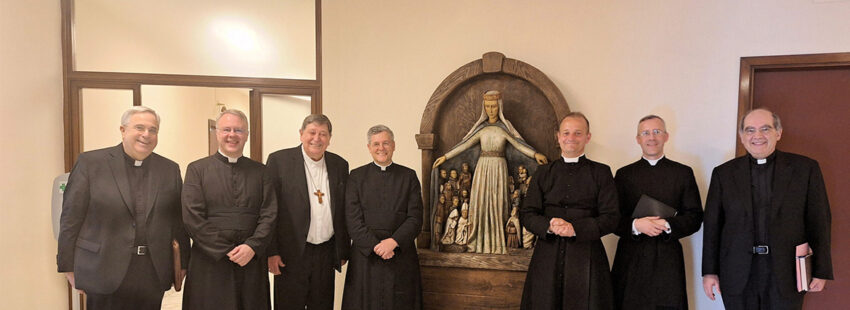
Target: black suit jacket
[97,226]
[799,212]
[287,170]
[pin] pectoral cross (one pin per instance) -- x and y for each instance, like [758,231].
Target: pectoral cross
[319,194]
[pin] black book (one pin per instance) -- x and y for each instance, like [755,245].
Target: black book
[648,206]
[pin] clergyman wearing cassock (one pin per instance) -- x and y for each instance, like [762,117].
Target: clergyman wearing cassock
[649,267]
[759,208]
[383,206]
[229,208]
[311,239]
[571,204]
[120,212]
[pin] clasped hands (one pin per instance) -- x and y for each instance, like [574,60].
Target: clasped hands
[241,254]
[561,227]
[651,225]
[386,248]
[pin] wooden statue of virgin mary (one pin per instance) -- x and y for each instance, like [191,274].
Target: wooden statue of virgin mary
[489,198]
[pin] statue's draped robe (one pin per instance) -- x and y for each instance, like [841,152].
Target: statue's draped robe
[489,197]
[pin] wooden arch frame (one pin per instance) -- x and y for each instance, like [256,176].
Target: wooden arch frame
[490,63]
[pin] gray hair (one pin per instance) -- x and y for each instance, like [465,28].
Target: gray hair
[125,118]
[376,130]
[319,119]
[234,112]
[777,123]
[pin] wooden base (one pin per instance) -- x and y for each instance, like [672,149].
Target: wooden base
[473,281]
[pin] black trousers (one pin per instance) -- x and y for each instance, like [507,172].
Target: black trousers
[140,289]
[760,292]
[308,282]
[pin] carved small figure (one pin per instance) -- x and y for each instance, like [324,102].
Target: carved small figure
[439,216]
[465,177]
[443,177]
[523,180]
[513,230]
[451,225]
[463,227]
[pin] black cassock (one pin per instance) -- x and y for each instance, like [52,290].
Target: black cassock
[649,272]
[570,272]
[225,205]
[379,205]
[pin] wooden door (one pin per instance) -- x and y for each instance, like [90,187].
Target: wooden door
[811,94]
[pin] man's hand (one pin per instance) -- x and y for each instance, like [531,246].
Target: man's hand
[241,254]
[70,277]
[709,283]
[561,227]
[651,225]
[385,248]
[274,264]
[817,285]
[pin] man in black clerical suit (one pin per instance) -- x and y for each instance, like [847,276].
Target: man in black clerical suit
[759,208]
[229,207]
[311,239]
[649,268]
[571,204]
[120,212]
[383,207]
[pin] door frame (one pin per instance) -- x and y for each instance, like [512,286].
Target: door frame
[751,65]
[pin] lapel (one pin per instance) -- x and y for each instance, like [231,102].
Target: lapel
[744,184]
[153,184]
[119,172]
[781,178]
[332,182]
[300,177]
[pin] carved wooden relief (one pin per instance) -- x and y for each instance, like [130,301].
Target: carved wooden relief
[453,132]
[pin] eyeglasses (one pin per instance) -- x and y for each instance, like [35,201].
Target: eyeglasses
[150,130]
[766,129]
[654,132]
[229,130]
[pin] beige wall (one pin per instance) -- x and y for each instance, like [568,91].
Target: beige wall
[31,122]
[614,60]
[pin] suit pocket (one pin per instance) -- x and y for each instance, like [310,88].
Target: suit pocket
[88,245]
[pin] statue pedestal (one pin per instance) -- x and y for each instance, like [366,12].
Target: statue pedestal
[473,281]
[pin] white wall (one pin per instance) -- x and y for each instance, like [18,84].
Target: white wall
[31,125]
[616,61]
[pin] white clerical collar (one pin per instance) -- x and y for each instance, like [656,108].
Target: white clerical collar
[310,161]
[761,161]
[231,160]
[652,162]
[137,163]
[383,168]
[571,159]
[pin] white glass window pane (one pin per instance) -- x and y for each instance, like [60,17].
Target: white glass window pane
[185,114]
[252,38]
[282,118]
[101,112]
